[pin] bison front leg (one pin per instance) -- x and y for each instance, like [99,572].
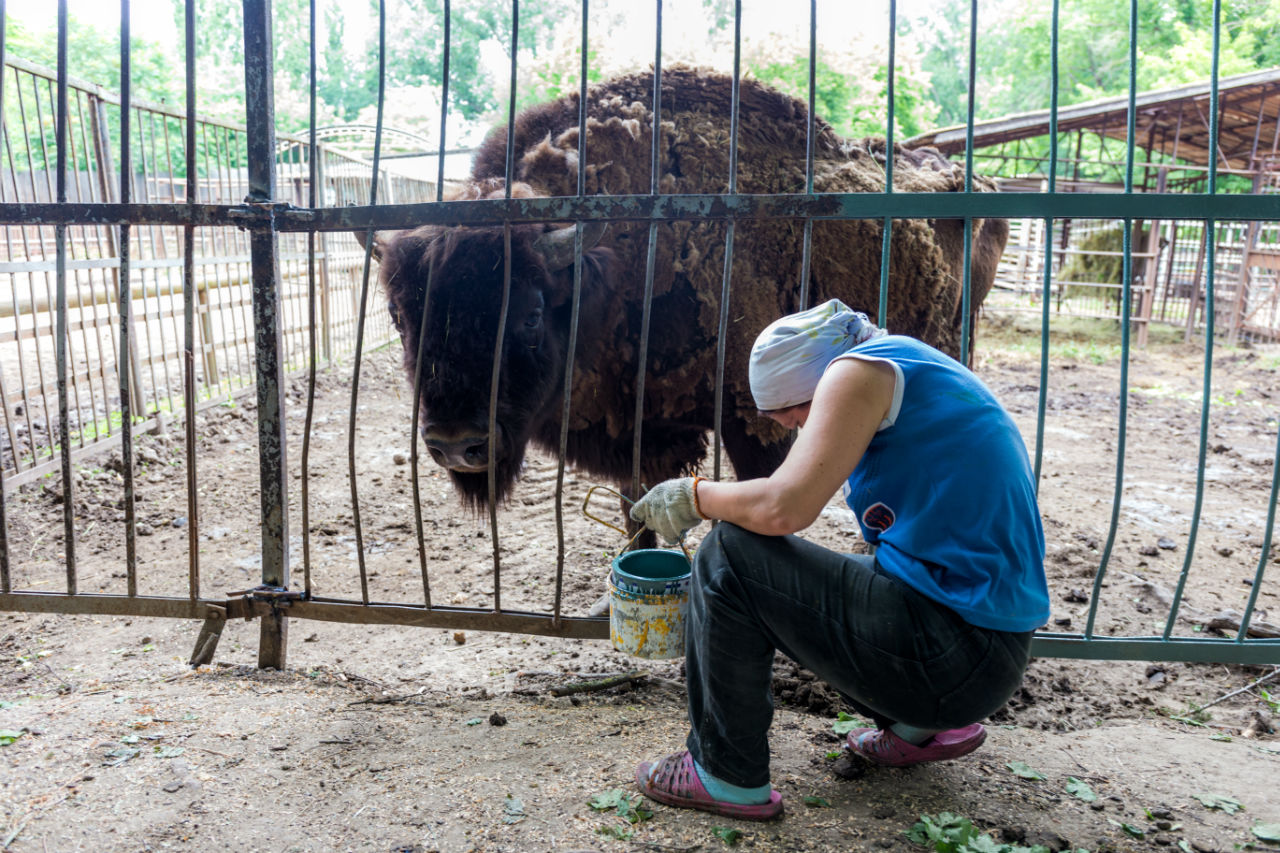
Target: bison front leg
[751,455]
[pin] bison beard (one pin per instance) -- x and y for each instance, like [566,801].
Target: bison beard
[455,275]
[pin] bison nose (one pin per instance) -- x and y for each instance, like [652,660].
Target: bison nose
[469,453]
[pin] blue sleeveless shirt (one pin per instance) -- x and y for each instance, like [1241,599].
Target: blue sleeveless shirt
[946,494]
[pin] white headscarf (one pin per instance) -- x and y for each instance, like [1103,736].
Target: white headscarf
[791,354]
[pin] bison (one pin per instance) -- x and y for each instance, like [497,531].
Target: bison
[465,267]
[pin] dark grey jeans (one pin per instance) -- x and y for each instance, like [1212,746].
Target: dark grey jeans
[894,654]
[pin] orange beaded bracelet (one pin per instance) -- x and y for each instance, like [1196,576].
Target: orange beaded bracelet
[696,507]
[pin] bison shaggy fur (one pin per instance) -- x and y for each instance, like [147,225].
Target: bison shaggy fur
[465,267]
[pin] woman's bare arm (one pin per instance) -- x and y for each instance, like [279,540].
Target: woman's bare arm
[848,406]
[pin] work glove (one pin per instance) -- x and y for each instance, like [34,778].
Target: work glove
[668,509]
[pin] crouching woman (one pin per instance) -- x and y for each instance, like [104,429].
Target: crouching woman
[927,636]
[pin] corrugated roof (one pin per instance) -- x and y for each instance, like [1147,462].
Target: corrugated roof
[1172,121]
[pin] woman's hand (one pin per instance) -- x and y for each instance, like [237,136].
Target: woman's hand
[668,509]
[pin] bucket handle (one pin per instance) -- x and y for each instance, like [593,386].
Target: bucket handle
[585,511]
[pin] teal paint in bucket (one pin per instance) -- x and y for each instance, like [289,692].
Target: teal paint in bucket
[651,571]
[649,602]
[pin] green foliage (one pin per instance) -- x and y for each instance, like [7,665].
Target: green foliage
[1014,57]
[726,834]
[952,833]
[846,723]
[1267,831]
[1026,771]
[1230,805]
[629,807]
[1080,790]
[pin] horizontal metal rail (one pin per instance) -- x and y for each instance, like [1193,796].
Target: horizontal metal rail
[897,205]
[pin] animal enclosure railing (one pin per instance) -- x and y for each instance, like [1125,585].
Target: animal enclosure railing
[224,345]
[1169,279]
[263,237]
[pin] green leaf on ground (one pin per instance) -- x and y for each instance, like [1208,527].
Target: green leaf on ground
[1080,790]
[1026,771]
[726,834]
[8,736]
[1129,829]
[607,800]
[627,806]
[817,802]
[119,755]
[513,810]
[1267,831]
[946,833]
[1230,805]
[952,833]
[846,723]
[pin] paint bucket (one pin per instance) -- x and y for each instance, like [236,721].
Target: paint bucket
[648,596]
[651,571]
[649,602]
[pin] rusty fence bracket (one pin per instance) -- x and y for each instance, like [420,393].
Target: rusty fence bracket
[210,632]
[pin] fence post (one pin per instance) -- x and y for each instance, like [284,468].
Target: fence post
[268,341]
[108,184]
[326,322]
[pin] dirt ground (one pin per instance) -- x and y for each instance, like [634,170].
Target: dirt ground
[410,739]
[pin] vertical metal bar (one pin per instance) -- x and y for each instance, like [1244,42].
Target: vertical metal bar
[149,230]
[502,314]
[5,582]
[886,233]
[260,150]
[311,304]
[414,475]
[574,313]
[107,245]
[646,311]
[806,244]
[60,238]
[1266,546]
[188,317]
[1125,310]
[722,334]
[1043,399]
[31,286]
[159,250]
[125,372]
[96,348]
[966,286]
[1206,393]
[361,305]
[326,276]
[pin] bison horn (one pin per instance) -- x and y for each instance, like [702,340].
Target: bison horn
[556,247]
[380,241]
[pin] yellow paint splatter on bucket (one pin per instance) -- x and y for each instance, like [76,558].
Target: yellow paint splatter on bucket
[648,626]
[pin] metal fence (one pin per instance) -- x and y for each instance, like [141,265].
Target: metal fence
[224,344]
[1169,278]
[258,240]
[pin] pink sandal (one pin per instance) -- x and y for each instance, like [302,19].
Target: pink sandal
[883,747]
[676,783]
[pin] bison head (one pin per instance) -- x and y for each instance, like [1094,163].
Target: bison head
[455,275]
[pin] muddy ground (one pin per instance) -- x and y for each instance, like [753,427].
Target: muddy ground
[382,738]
